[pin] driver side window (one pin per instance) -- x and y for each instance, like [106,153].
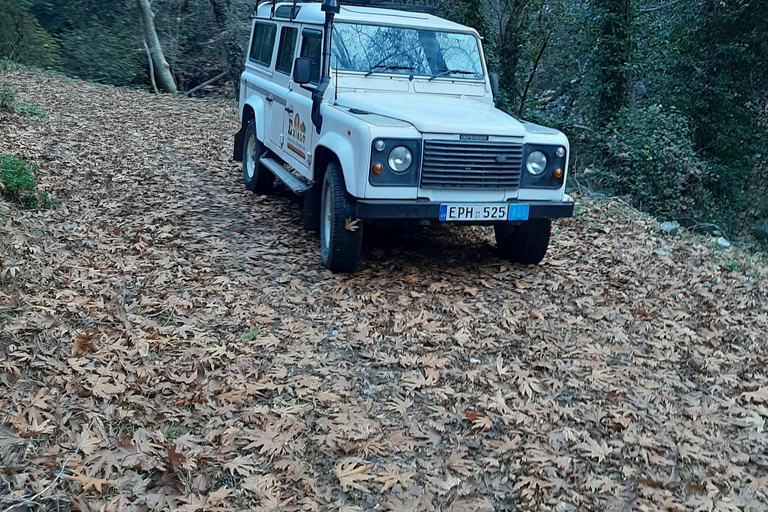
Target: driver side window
[311,43]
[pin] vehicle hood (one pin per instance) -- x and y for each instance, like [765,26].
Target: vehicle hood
[437,114]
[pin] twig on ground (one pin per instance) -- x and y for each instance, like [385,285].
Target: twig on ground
[31,500]
[207,82]
[702,225]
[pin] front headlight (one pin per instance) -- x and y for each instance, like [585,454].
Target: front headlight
[400,159]
[536,163]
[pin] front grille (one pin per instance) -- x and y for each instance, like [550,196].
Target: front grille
[468,165]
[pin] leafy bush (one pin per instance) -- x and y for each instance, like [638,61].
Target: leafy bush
[17,174]
[651,157]
[21,37]
[7,96]
[18,183]
[112,61]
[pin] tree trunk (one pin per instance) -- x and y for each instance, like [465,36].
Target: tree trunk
[533,74]
[509,41]
[234,50]
[612,54]
[151,68]
[162,69]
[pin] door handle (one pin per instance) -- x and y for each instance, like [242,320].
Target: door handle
[269,99]
[289,110]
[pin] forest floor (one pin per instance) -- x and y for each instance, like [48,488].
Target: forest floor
[171,341]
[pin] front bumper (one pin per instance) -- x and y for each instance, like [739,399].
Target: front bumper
[430,210]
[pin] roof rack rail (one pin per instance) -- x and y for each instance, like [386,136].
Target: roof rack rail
[429,7]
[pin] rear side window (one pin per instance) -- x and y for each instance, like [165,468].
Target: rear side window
[286,50]
[263,43]
[310,48]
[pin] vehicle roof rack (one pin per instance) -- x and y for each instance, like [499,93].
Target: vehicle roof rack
[428,7]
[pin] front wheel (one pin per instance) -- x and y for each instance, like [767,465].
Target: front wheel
[525,243]
[341,232]
[257,178]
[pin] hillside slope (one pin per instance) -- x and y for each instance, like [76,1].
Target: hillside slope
[170,341]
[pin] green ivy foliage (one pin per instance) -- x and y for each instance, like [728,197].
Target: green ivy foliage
[650,157]
[22,39]
[720,69]
[611,56]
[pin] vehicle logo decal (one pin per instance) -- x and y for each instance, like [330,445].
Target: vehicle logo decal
[297,129]
[473,137]
[501,159]
[297,136]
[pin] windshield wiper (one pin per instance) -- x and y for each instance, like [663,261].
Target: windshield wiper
[380,67]
[444,72]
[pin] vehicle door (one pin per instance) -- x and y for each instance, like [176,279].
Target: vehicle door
[258,73]
[286,51]
[298,123]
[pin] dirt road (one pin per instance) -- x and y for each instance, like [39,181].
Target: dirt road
[172,341]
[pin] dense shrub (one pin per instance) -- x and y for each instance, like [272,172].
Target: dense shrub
[21,38]
[18,183]
[650,156]
[113,61]
[7,96]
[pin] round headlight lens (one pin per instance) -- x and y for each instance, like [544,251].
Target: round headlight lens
[380,145]
[536,163]
[400,159]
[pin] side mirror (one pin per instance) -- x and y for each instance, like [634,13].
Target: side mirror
[494,83]
[302,70]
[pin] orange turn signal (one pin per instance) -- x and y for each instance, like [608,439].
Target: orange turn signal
[557,173]
[377,168]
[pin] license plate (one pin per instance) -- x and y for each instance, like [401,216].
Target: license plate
[483,212]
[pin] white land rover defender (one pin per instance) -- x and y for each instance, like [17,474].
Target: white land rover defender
[375,113]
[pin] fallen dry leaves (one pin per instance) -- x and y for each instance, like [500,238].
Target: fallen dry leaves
[169,341]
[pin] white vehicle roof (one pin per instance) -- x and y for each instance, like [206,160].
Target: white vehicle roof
[311,13]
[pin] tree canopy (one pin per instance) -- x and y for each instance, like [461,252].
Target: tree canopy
[664,101]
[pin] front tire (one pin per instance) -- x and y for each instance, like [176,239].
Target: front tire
[525,243]
[257,178]
[341,232]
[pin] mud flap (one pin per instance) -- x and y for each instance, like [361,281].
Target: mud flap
[239,141]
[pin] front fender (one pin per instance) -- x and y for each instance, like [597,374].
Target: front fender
[345,152]
[258,106]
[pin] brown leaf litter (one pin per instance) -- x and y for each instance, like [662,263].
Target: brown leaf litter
[170,341]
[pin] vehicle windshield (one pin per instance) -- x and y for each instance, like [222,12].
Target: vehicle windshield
[405,51]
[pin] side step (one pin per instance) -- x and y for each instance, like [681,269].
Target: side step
[293,182]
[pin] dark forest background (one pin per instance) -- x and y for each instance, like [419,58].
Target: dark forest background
[665,101]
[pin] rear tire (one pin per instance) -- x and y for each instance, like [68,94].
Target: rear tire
[257,178]
[525,243]
[340,247]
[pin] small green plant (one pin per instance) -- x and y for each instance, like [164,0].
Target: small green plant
[7,64]
[18,183]
[8,102]
[29,110]
[7,96]
[172,433]
[17,174]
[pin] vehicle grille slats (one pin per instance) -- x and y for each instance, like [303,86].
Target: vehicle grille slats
[460,164]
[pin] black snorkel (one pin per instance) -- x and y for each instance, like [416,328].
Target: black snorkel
[330,8]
